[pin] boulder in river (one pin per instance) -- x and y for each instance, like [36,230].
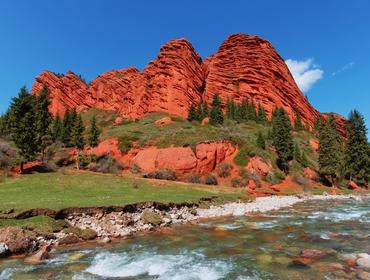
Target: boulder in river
[3,250]
[16,239]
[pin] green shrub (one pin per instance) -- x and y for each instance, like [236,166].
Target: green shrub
[105,164]
[125,143]
[135,169]
[244,154]
[224,170]
[237,182]
[211,180]
[163,174]
[85,234]
[275,177]
[193,178]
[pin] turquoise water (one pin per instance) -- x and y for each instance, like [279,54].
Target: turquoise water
[251,247]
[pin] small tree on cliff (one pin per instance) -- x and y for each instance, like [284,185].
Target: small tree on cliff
[43,121]
[261,116]
[94,134]
[357,157]
[57,129]
[191,113]
[329,151]
[216,115]
[22,123]
[298,122]
[77,138]
[282,139]
[205,110]
[230,109]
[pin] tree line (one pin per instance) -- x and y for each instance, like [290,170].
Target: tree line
[338,158]
[32,128]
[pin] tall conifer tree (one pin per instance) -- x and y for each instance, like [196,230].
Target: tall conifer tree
[94,133]
[282,139]
[77,137]
[330,156]
[43,121]
[23,128]
[216,115]
[357,158]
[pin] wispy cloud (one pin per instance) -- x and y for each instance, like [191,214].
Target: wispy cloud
[305,73]
[344,68]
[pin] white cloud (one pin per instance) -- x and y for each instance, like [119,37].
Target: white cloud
[305,73]
[344,68]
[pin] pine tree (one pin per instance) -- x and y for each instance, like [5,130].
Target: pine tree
[57,129]
[297,153]
[43,121]
[298,122]
[94,133]
[5,124]
[199,112]
[304,160]
[329,151]
[243,110]
[251,112]
[357,158]
[68,121]
[261,143]
[229,109]
[77,137]
[261,117]
[216,115]
[191,113]
[282,139]
[205,110]
[23,128]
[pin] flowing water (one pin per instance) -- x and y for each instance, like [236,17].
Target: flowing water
[251,247]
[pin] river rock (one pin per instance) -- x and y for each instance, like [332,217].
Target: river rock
[314,254]
[3,250]
[363,275]
[363,262]
[40,256]
[16,239]
[69,239]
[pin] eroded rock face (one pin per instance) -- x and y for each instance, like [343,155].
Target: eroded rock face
[245,66]
[202,160]
[66,91]
[258,165]
[249,67]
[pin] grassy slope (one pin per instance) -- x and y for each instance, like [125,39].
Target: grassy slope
[57,190]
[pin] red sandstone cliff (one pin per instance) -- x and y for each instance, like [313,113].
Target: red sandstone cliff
[245,66]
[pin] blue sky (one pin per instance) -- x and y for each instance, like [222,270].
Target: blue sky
[327,42]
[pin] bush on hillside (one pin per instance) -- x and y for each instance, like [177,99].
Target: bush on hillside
[275,177]
[125,143]
[105,164]
[224,170]
[163,174]
[193,178]
[211,180]
[237,182]
[135,169]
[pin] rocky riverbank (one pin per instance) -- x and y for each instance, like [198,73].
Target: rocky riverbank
[104,226]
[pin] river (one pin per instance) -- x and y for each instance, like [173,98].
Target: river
[249,247]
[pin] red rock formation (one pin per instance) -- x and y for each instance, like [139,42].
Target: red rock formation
[257,164]
[67,91]
[245,66]
[249,67]
[180,159]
